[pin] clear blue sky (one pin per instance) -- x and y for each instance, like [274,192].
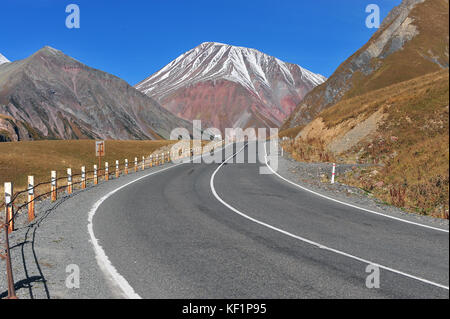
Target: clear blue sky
[135,38]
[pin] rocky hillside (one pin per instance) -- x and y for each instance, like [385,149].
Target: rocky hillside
[401,129]
[412,41]
[51,95]
[227,86]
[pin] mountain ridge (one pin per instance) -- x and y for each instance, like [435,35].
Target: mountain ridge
[411,35]
[232,75]
[62,98]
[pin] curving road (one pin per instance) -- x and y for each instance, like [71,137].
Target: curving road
[183,234]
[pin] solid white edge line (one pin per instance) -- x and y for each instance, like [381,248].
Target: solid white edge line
[307,240]
[350,205]
[102,259]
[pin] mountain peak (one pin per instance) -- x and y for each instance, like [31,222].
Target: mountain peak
[411,42]
[48,49]
[262,81]
[3,59]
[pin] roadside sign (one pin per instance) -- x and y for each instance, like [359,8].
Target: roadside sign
[99,148]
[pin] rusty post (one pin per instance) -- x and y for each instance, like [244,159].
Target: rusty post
[126,166]
[30,198]
[9,207]
[117,169]
[69,181]
[54,185]
[9,272]
[106,171]
[95,175]
[83,177]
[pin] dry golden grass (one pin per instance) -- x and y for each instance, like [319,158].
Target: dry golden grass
[290,132]
[39,158]
[311,150]
[412,144]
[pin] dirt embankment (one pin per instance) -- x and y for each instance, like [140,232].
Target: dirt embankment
[402,129]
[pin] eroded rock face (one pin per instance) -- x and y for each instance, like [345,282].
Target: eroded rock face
[412,41]
[14,131]
[228,86]
[62,98]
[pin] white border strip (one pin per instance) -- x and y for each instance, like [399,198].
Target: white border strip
[103,261]
[350,205]
[310,241]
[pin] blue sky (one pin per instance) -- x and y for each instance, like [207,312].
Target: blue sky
[135,38]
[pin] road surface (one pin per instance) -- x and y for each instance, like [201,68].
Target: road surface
[226,231]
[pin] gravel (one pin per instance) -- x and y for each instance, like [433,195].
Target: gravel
[42,250]
[57,238]
[316,176]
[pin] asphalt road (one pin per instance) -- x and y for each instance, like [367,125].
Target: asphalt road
[169,236]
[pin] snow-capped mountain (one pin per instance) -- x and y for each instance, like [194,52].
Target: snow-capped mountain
[229,86]
[3,59]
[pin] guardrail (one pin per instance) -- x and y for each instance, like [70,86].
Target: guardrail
[26,199]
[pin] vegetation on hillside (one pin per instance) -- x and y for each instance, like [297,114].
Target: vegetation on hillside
[409,149]
[39,158]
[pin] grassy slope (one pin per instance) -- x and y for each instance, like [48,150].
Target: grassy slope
[412,144]
[413,60]
[432,20]
[38,158]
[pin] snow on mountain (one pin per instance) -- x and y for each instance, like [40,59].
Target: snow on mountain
[275,86]
[3,59]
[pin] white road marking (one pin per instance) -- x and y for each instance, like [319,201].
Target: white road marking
[350,205]
[307,240]
[102,259]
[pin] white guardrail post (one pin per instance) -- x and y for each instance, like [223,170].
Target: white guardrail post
[9,206]
[106,171]
[333,173]
[30,198]
[69,181]
[95,175]
[53,187]
[83,177]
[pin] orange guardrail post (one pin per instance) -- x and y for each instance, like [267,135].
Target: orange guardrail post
[95,175]
[54,185]
[106,171]
[9,207]
[69,181]
[83,177]
[30,198]
[117,169]
[126,166]
[135,164]
[143,162]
